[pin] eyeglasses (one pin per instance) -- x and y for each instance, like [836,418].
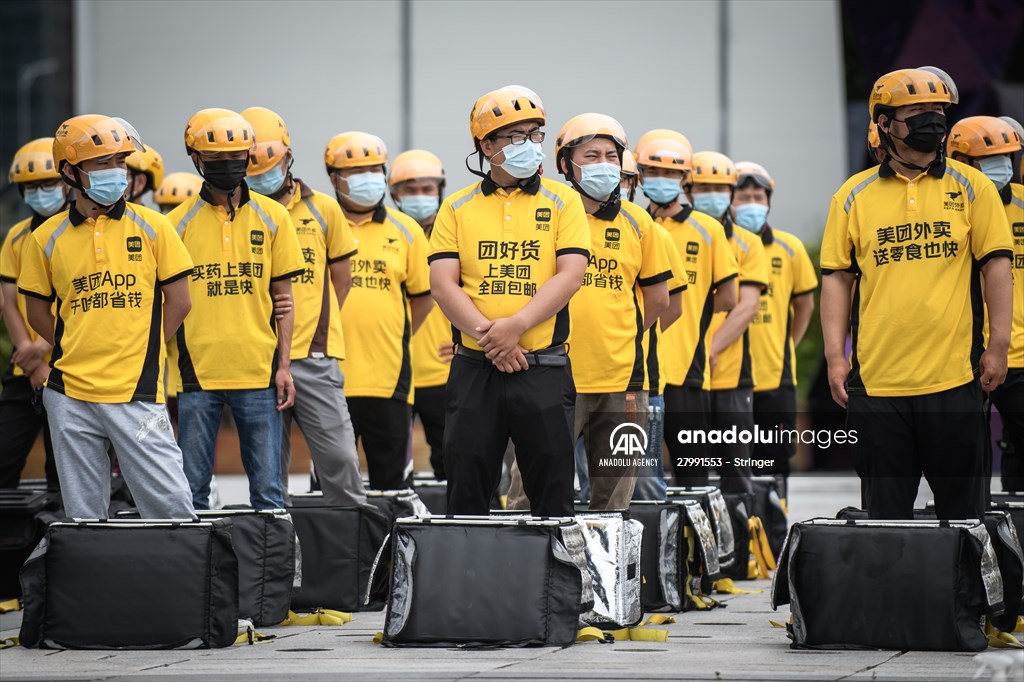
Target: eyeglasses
[536,136]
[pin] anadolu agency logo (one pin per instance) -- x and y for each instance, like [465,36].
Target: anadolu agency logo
[628,440]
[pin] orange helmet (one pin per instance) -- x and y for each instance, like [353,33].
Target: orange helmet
[272,139]
[659,133]
[93,136]
[355,150]
[629,168]
[33,162]
[503,107]
[982,136]
[150,164]
[664,152]
[907,86]
[873,141]
[176,188]
[585,127]
[218,130]
[714,169]
[415,164]
[748,170]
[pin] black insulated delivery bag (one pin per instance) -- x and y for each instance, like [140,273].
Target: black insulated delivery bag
[903,585]
[433,494]
[396,504]
[713,503]
[468,580]
[127,584]
[20,531]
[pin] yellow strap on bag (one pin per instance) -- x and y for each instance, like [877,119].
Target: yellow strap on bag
[1020,624]
[1001,640]
[250,636]
[760,548]
[785,507]
[658,619]
[323,617]
[637,634]
[592,634]
[378,637]
[727,586]
[10,605]
[8,642]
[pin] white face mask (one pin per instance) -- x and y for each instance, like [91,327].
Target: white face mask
[522,160]
[366,189]
[45,200]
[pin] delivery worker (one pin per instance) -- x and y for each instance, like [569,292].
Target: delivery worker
[145,174]
[176,189]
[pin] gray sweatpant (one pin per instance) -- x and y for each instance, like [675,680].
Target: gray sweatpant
[322,414]
[141,435]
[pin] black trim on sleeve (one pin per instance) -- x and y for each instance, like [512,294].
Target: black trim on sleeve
[287,275]
[419,295]
[25,292]
[829,271]
[442,254]
[572,250]
[175,278]
[720,282]
[1001,253]
[656,279]
[673,292]
[9,280]
[764,287]
[332,261]
[798,294]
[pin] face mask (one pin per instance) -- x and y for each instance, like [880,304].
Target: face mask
[225,174]
[626,193]
[712,203]
[925,131]
[266,183]
[998,169]
[751,216]
[661,190]
[599,180]
[419,207]
[366,189]
[522,160]
[45,200]
[107,186]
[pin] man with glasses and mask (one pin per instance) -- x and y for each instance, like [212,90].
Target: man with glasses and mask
[389,300]
[507,254]
[904,250]
[232,349]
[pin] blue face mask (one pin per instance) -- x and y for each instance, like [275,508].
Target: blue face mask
[715,204]
[751,216]
[107,186]
[661,190]
[266,183]
[419,207]
[45,200]
[998,169]
[522,160]
[599,180]
[366,189]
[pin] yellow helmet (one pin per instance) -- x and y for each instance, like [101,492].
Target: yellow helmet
[754,171]
[982,136]
[93,136]
[585,127]
[415,164]
[713,168]
[176,188]
[659,133]
[272,139]
[664,152]
[907,86]
[149,163]
[355,150]
[218,130]
[629,168]
[873,140]
[503,107]
[34,162]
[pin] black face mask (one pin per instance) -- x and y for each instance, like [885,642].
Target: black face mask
[924,131]
[225,175]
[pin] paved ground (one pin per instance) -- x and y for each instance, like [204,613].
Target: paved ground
[735,643]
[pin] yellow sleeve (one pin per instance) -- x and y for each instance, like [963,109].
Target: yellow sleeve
[286,254]
[417,281]
[8,257]
[341,243]
[754,264]
[990,230]
[172,258]
[723,262]
[837,242]
[573,232]
[805,280]
[444,241]
[678,282]
[654,266]
[35,278]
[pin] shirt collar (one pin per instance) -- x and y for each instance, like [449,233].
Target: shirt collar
[1006,193]
[531,185]
[38,220]
[936,168]
[608,211]
[766,235]
[302,191]
[116,212]
[206,195]
[727,224]
[683,214]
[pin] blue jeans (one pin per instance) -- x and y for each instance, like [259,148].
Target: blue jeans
[259,434]
[650,482]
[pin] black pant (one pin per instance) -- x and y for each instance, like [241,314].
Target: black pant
[484,408]
[1009,400]
[383,426]
[721,411]
[686,409]
[429,406]
[21,419]
[775,410]
[940,435]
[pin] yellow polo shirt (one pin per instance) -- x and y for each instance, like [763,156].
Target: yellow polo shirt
[10,267]
[325,237]
[609,348]
[791,274]
[391,268]
[105,275]
[710,263]
[507,244]
[917,245]
[428,369]
[229,339]
[1015,215]
[676,285]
